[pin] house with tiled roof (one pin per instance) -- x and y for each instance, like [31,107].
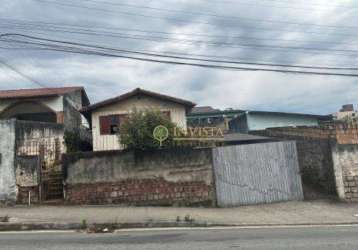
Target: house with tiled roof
[32,128]
[106,116]
[53,105]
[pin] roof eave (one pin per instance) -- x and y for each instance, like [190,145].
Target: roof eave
[188,105]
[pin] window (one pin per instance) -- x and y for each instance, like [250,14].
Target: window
[166,114]
[110,124]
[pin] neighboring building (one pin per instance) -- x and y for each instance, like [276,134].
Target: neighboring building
[106,116]
[207,116]
[259,120]
[347,112]
[54,105]
[32,127]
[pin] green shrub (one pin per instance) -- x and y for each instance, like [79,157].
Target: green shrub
[136,132]
[74,143]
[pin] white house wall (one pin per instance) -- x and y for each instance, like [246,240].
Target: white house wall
[111,142]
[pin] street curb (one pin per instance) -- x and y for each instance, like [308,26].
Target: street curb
[99,227]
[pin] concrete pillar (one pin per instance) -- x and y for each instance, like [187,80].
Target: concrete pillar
[338,173]
[8,188]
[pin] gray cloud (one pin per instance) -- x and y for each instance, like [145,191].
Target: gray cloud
[105,77]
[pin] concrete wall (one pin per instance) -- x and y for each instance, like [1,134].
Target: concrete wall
[8,189]
[345,159]
[316,165]
[28,178]
[314,157]
[75,99]
[72,117]
[163,177]
[111,142]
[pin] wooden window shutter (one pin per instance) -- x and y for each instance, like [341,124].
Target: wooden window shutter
[166,114]
[105,125]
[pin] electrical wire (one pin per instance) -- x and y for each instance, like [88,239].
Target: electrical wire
[287,49]
[19,72]
[184,21]
[211,14]
[85,49]
[151,53]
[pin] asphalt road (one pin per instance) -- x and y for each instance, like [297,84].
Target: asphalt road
[326,238]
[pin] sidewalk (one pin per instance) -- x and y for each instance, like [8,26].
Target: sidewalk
[288,213]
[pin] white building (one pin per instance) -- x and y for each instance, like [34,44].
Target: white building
[54,105]
[107,115]
[347,112]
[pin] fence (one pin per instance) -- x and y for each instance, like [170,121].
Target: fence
[50,149]
[161,177]
[245,174]
[256,173]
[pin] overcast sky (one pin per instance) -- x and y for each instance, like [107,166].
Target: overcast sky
[224,28]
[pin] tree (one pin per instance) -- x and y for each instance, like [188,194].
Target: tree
[145,130]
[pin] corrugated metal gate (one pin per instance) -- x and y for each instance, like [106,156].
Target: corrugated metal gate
[257,173]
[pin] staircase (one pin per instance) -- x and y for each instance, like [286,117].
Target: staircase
[53,186]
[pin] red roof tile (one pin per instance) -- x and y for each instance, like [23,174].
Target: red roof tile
[43,92]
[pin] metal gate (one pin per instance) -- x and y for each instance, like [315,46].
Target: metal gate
[257,173]
[50,176]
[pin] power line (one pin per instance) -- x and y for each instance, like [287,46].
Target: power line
[171,19]
[170,56]
[214,66]
[103,31]
[287,49]
[290,7]
[327,5]
[263,63]
[16,70]
[211,14]
[209,43]
[140,37]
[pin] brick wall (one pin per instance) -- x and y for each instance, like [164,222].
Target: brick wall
[350,188]
[341,133]
[346,166]
[141,192]
[164,177]
[25,192]
[346,134]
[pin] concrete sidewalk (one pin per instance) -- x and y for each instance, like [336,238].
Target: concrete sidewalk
[288,213]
